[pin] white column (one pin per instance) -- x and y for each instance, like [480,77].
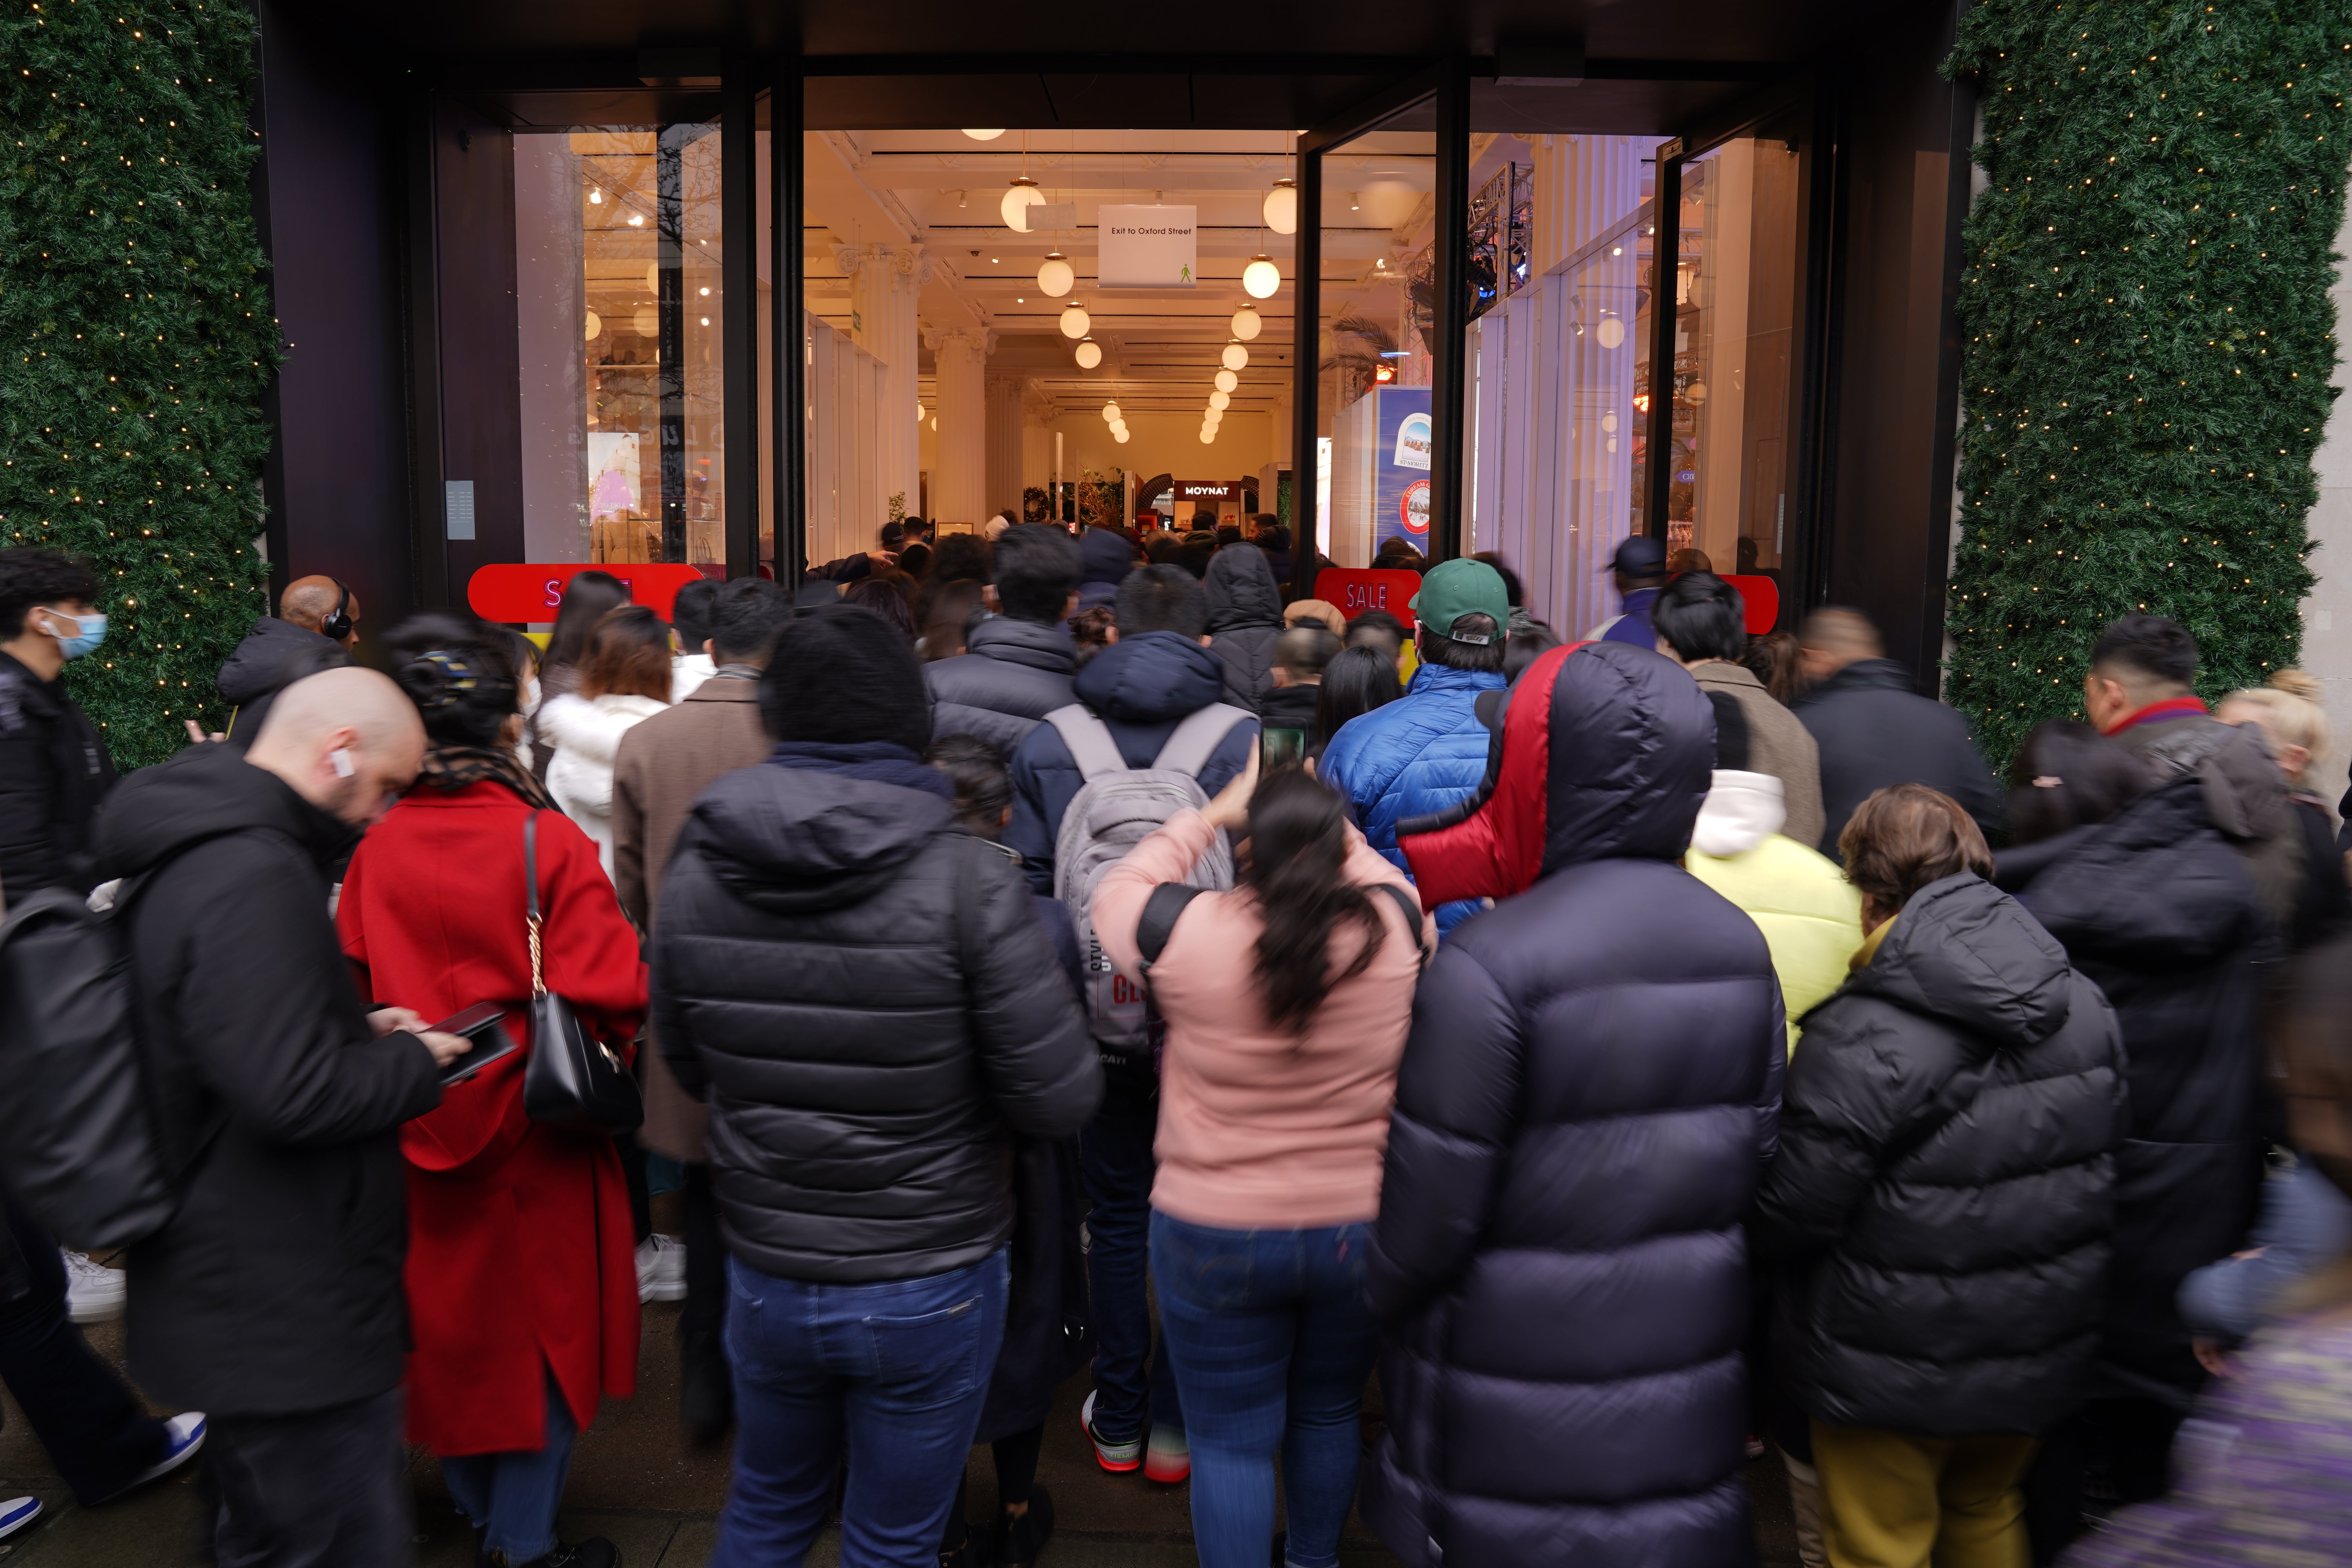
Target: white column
[884,283]
[959,475]
[1005,395]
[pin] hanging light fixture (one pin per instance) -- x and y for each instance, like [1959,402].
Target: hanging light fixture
[1111,414]
[1227,381]
[1282,208]
[1057,276]
[1089,353]
[985,135]
[1220,401]
[1118,428]
[1120,435]
[1208,435]
[920,413]
[595,326]
[1247,324]
[1234,357]
[1261,277]
[1074,320]
[1019,197]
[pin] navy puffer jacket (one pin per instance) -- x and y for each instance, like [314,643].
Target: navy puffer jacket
[1587,1100]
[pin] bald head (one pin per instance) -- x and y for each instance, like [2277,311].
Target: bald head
[1832,637]
[309,601]
[344,740]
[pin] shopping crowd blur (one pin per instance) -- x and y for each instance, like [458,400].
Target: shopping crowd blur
[1521,1095]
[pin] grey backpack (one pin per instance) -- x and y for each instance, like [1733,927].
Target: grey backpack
[1113,811]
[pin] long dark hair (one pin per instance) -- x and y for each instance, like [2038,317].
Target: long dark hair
[1357,681]
[460,671]
[2066,775]
[1297,850]
[586,598]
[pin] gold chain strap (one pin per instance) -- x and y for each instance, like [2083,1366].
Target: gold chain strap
[537,987]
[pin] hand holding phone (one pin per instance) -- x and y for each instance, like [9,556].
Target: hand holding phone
[481,1027]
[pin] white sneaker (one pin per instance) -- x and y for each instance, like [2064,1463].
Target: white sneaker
[16,1512]
[661,1269]
[94,1293]
[185,1434]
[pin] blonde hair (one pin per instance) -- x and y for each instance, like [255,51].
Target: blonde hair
[2291,711]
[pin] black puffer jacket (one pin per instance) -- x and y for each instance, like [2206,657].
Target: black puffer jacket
[1009,676]
[53,770]
[864,995]
[274,655]
[1872,729]
[1943,1207]
[2160,912]
[1244,622]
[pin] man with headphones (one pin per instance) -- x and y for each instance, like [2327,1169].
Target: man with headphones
[316,625]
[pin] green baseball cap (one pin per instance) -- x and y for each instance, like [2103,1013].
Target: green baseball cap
[1451,589]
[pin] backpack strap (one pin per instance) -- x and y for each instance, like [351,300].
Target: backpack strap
[1414,921]
[1168,900]
[1196,740]
[1089,740]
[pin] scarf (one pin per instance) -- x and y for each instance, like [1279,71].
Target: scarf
[877,762]
[2156,713]
[456,767]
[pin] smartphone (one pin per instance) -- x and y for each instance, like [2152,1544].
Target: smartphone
[1282,749]
[482,1023]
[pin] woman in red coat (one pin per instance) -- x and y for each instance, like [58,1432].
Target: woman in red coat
[521,1278]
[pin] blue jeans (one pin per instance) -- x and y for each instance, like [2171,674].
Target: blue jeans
[1272,1342]
[898,1368]
[512,1498]
[1115,1156]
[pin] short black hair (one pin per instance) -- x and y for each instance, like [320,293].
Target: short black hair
[1701,617]
[1449,649]
[1271,535]
[30,577]
[2155,646]
[1229,533]
[744,616]
[1514,592]
[1377,627]
[1524,647]
[690,613]
[1306,649]
[1161,599]
[983,789]
[870,687]
[460,671]
[1037,569]
[960,557]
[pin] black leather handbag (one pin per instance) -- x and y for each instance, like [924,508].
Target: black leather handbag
[571,1079]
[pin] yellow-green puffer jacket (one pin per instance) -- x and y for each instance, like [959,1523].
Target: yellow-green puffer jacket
[1810,914]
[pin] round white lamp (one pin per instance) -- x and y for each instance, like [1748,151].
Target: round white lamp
[1227,381]
[1120,435]
[1057,276]
[1118,428]
[647,321]
[1208,435]
[1282,208]
[1074,320]
[595,326]
[1611,331]
[1234,357]
[1220,401]
[1089,353]
[1261,277]
[1247,324]
[1111,414]
[920,411]
[1018,198]
[985,135]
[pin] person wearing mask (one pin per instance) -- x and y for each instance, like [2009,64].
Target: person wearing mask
[296,1093]
[689,617]
[1245,619]
[863,1089]
[2151,902]
[624,679]
[1357,681]
[1017,664]
[1701,626]
[1587,1100]
[587,599]
[1158,674]
[521,1287]
[2287,711]
[1425,753]
[1275,1115]
[315,628]
[662,767]
[1941,1212]
[1107,559]
[1300,657]
[1639,569]
[1872,729]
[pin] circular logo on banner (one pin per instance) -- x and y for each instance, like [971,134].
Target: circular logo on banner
[1412,509]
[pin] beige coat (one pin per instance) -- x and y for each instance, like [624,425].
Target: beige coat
[664,765]
[1777,744]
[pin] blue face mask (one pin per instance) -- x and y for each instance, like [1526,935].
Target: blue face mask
[90,631]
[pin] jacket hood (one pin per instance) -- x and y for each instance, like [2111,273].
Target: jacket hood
[2154,887]
[1105,556]
[2245,790]
[1152,678]
[274,654]
[1009,641]
[1962,950]
[1742,810]
[795,840]
[1241,590]
[1606,753]
[202,792]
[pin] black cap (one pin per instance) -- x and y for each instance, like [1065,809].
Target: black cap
[1640,556]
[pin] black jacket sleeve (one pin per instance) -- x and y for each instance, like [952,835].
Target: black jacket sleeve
[1035,1055]
[29,856]
[1846,1096]
[665,1012]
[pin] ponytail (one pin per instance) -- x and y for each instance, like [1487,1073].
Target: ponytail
[1298,852]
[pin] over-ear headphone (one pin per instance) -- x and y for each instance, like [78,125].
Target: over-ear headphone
[338,627]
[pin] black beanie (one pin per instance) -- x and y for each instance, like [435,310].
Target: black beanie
[842,674]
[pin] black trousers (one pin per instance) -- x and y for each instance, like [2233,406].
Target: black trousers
[328,1488]
[94,1427]
[705,1314]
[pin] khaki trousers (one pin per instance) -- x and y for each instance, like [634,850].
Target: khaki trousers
[1890,1500]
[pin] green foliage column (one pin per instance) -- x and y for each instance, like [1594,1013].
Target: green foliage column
[2147,335]
[136,339]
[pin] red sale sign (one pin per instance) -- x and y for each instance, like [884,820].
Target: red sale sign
[1356,589]
[1761,598]
[526,591]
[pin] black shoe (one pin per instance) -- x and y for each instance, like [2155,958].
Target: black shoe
[1281,1548]
[594,1553]
[1019,1541]
[706,1388]
[971,1552]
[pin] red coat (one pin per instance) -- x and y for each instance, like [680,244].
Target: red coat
[520,1249]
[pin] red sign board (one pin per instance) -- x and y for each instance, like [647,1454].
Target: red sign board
[525,591]
[1356,589]
[1761,598]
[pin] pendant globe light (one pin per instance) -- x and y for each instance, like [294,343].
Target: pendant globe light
[1282,208]
[1208,435]
[1111,414]
[1076,323]
[1120,435]
[1220,401]
[1056,276]
[1261,277]
[985,135]
[1234,357]
[1227,381]
[1089,353]
[1019,197]
[1247,323]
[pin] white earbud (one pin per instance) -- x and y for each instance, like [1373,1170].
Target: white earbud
[342,761]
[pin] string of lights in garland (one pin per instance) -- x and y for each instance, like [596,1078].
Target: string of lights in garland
[2147,337]
[136,340]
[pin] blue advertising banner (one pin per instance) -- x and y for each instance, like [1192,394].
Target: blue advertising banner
[1400,468]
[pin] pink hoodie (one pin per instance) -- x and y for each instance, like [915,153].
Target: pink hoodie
[1261,1129]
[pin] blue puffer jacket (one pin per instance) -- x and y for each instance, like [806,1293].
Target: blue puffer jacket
[1414,758]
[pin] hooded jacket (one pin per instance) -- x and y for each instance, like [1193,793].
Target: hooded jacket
[274,655]
[276,1287]
[1588,1094]
[1874,729]
[1142,688]
[2246,796]
[864,996]
[1943,1206]
[1244,622]
[1009,676]
[2158,910]
[54,772]
[1105,558]
[1810,914]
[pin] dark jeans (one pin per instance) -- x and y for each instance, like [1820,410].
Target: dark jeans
[97,1434]
[512,1498]
[1115,1155]
[899,1369]
[1272,1342]
[326,1489]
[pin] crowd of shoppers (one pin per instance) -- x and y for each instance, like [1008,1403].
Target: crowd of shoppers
[1640,1050]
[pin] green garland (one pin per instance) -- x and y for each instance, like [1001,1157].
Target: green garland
[2149,336]
[138,340]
